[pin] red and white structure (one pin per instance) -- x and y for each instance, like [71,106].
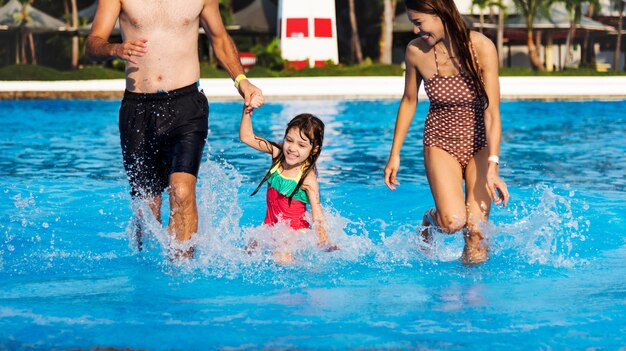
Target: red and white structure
[308,32]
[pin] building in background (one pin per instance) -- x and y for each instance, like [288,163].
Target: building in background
[308,32]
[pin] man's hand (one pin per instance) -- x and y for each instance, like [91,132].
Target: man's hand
[131,49]
[252,96]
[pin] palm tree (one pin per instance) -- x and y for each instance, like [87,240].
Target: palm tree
[500,33]
[529,9]
[482,6]
[22,18]
[386,33]
[619,5]
[75,45]
[355,44]
[574,8]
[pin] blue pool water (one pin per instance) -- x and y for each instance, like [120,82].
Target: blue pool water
[71,279]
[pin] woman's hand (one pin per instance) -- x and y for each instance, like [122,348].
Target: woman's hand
[391,170]
[497,187]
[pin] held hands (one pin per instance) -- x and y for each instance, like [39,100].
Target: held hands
[252,96]
[391,170]
[131,49]
[497,187]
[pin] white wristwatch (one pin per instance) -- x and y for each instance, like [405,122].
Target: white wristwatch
[494,158]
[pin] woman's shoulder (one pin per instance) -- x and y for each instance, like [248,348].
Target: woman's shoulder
[419,46]
[481,43]
[416,49]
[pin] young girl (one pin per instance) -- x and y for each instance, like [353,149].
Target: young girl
[459,69]
[291,179]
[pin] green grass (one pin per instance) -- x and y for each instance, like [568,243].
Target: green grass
[34,72]
[517,71]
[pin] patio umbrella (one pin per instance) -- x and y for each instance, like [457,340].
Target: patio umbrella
[89,13]
[41,21]
[558,19]
[259,16]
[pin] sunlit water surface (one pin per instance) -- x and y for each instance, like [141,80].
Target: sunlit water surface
[70,276]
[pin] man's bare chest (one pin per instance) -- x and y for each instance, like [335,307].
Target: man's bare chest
[150,14]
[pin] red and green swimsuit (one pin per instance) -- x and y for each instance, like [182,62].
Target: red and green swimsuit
[279,188]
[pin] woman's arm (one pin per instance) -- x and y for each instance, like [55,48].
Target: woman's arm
[488,61]
[406,111]
[246,134]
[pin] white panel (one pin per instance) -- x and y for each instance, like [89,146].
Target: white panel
[297,49]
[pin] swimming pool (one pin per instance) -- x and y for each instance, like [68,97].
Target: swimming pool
[69,277]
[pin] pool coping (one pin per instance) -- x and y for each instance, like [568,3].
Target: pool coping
[221,89]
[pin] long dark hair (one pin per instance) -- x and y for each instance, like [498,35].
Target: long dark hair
[455,26]
[313,129]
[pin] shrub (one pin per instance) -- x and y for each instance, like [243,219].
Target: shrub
[269,56]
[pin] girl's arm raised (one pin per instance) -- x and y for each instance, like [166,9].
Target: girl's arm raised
[311,187]
[246,134]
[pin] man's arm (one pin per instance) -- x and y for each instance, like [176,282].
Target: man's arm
[227,53]
[98,47]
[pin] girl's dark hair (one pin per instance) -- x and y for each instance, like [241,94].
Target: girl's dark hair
[313,129]
[455,26]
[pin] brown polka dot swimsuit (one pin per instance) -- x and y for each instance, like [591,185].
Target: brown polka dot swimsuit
[456,118]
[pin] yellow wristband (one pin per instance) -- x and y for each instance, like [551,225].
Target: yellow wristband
[239,79]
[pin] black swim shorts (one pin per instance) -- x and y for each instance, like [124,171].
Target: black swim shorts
[162,133]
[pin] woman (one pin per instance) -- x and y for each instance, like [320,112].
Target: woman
[462,132]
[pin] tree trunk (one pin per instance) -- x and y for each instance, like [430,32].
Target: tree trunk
[481,20]
[500,37]
[75,47]
[17,49]
[618,40]
[24,41]
[533,54]
[386,33]
[569,54]
[31,43]
[355,44]
[588,51]
[67,12]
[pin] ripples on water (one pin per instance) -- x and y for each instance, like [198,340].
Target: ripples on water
[66,235]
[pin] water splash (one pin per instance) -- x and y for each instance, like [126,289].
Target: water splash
[542,231]
[546,233]
[543,234]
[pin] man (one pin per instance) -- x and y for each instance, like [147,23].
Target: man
[164,115]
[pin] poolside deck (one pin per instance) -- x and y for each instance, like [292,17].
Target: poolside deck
[512,88]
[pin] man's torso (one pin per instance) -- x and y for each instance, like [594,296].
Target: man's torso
[171,28]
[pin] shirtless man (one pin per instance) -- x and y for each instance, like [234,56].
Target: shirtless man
[164,115]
